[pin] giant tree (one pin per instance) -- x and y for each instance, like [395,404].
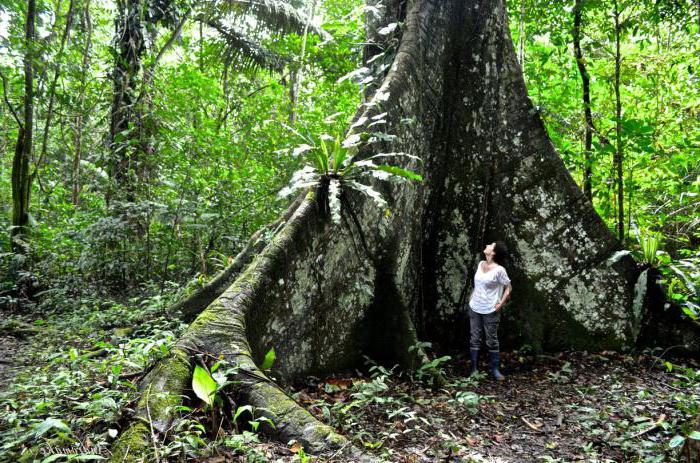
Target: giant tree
[324,293]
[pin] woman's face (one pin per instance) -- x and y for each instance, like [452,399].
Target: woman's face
[489,250]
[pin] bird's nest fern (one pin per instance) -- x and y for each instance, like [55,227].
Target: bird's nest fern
[334,163]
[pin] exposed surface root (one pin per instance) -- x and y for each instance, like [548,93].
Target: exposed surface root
[191,306]
[221,331]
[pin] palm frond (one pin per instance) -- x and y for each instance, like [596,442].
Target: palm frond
[244,50]
[277,15]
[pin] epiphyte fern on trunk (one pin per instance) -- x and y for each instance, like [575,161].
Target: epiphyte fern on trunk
[334,163]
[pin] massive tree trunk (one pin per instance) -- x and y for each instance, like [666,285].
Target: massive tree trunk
[322,295]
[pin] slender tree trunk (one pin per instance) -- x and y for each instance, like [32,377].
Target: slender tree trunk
[586,84]
[132,125]
[54,81]
[630,199]
[21,175]
[618,161]
[201,46]
[80,121]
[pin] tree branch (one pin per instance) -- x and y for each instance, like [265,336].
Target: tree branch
[150,72]
[7,100]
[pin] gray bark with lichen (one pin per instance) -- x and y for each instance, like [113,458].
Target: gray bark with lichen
[322,295]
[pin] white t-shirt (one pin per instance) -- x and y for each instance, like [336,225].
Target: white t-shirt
[488,288]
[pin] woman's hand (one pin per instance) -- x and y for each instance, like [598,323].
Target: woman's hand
[498,306]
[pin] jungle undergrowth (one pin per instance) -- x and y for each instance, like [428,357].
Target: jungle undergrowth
[82,365]
[77,376]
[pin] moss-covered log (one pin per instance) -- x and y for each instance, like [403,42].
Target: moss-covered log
[323,295]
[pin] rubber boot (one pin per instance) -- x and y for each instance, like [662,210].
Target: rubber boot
[495,358]
[474,356]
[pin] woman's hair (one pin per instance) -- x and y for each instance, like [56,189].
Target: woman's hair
[501,252]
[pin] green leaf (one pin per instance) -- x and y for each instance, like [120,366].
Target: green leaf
[244,408]
[55,457]
[203,385]
[676,441]
[695,435]
[269,359]
[264,419]
[49,424]
[409,174]
[339,155]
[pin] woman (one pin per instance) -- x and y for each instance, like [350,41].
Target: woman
[491,290]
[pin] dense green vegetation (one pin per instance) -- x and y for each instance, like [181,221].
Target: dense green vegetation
[126,217]
[659,88]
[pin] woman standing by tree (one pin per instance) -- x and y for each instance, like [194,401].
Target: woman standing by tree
[491,290]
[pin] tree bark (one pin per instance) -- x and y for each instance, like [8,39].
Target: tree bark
[21,175]
[586,87]
[617,162]
[323,295]
[691,447]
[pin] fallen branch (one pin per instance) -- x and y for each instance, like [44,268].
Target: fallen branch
[654,425]
[534,427]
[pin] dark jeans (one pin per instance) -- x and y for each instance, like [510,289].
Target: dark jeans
[480,324]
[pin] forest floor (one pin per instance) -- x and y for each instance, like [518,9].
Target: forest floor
[567,407]
[67,390]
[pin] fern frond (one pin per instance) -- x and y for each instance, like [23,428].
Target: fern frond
[246,52]
[400,172]
[306,177]
[395,155]
[277,15]
[369,191]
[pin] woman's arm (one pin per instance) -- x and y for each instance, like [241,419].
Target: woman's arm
[504,298]
[478,267]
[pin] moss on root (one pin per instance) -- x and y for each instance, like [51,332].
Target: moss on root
[163,388]
[161,391]
[134,445]
[291,421]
